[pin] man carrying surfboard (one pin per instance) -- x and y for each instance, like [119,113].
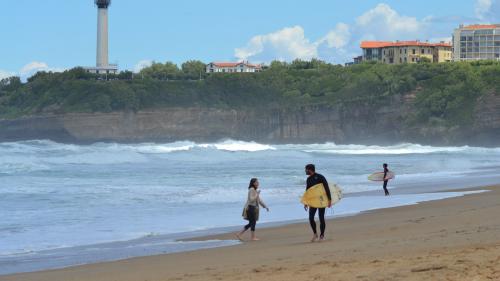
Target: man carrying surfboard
[313,181]
[386,179]
[384,176]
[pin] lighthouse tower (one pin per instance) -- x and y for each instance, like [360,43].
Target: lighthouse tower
[102,59]
[102,32]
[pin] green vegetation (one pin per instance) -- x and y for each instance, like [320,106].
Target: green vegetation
[444,93]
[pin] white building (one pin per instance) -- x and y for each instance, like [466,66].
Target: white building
[476,42]
[109,69]
[232,67]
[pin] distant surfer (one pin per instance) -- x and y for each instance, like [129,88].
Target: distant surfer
[386,179]
[312,180]
[251,209]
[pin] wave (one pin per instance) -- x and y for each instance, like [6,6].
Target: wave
[405,148]
[50,146]
[39,155]
[109,153]
[232,145]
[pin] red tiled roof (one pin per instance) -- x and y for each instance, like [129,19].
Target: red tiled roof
[374,44]
[234,64]
[482,26]
[383,44]
[226,64]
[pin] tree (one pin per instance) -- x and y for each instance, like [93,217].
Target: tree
[10,83]
[304,64]
[300,64]
[316,63]
[79,73]
[277,65]
[102,103]
[38,75]
[166,71]
[125,75]
[447,92]
[194,69]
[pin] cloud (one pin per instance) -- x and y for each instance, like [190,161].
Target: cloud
[29,70]
[286,44]
[482,7]
[5,74]
[488,10]
[32,68]
[142,64]
[384,22]
[338,37]
[342,42]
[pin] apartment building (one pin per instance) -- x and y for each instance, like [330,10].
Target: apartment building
[476,42]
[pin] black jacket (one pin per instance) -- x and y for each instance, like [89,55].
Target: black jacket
[316,179]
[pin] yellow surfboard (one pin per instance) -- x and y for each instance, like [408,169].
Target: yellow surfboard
[316,197]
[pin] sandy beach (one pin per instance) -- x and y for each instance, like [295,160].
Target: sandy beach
[452,239]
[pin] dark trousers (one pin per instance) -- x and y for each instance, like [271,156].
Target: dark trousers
[312,214]
[385,188]
[252,220]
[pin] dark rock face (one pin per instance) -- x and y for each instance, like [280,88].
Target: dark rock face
[363,124]
[487,122]
[44,127]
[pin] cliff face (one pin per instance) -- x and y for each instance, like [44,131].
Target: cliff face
[311,125]
[363,124]
[487,122]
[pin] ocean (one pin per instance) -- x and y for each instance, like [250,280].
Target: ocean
[66,204]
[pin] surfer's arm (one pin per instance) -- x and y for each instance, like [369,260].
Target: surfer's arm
[327,189]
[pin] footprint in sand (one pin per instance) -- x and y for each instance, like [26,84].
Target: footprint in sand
[419,220]
[428,268]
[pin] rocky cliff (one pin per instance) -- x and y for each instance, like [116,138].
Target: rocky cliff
[342,124]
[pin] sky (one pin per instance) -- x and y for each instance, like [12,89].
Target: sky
[54,35]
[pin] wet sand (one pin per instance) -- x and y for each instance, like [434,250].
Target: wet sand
[452,239]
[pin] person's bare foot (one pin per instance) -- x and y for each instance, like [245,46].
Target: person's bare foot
[322,238]
[239,237]
[255,239]
[315,238]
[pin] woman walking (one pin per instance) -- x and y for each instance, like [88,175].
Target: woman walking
[251,210]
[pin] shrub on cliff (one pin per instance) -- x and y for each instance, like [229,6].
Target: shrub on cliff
[446,91]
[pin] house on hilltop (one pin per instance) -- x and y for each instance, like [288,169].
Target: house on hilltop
[232,67]
[405,51]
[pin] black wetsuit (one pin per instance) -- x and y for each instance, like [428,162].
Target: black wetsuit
[386,181]
[312,181]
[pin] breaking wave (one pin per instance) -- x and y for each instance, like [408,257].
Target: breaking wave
[406,148]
